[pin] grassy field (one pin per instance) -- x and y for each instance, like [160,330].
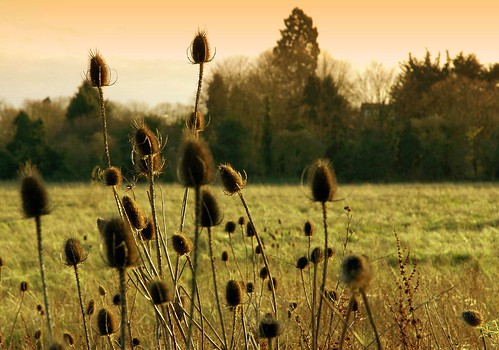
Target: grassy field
[451,230]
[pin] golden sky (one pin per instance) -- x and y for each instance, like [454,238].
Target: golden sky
[146,40]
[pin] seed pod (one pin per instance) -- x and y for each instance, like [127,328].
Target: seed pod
[98,73]
[230,227]
[316,256]
[38,334]
[269,327]
[69,339]
[179,307]
[33,193]
[24,286]
[233,293]
[241,221]
[323,181]
[160,292]
[355,305]
[117,299]
[181,244]
[264,273]
[135,342]
[113,176]
[211,215]
[195,166]
[148,233]
[195,122]
[102,291]
[309,229]
[250,229]
[356,271]
[134,213]
[331,294]
[73,251]
[302,263]
[250,287]
[121,249]
[199,49]
[145,142]
[472,318]
[329,253]
[225,256]
[90,307]
[107,323]
[271,283]
[232,180]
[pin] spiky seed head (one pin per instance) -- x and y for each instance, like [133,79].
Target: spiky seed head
[39,307]
[134,213]
[135,342]
[195,121]
[102,291]
[329,253]
[113,176]
[356,271]
[271,283]
[160,292]
[322,181]
[233,293]
[38,334]
[145,142]
[195,162]
[264,273]
[142,164]
[331,294]
[230,227]
[258,249]
[302,263]
[269,327]
[121,249]
[69,339]
[107,322]
[181,244]
[117,299]
[309,229]
[98,73]
[90,307]
[250,229]
[317,256]
[211,214]
[232,180]
[200,50]
[148,233]
[241,221]
[34,195]
[225,256]
[24,286]
[472,318]
[73,252]
[250,287]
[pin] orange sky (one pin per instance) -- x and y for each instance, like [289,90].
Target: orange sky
[145,40]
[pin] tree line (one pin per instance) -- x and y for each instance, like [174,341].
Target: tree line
[437,120]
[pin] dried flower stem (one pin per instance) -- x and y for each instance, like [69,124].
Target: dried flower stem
[371,320]
[15,320]
[42,273]
[104,125]
[85,326]
[324,275]
[122,272]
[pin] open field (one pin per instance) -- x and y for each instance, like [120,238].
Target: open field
[451,229]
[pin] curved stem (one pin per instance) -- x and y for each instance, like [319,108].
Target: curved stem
[42,273]
[85,327]
[345,325]
[378,342]
[15,320]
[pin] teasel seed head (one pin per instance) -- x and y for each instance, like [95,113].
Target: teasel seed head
[148,233]
[134,213]
[107,322]
[211,214]
[355,305]
[181,244]
[230,227]
[250,287]
[38,334]
[90,307]
[241,221]
[142,164]
[232,180]
[269,327]
[135,342]
[233,293]
[113,176]
[24,286]
[102,291]
[121,249]
[199,51]
[323,181]
[145,142]
[195,164]
[329,253]
[160,292]
[195,121]
[472,318]
[264,273]
[117,299]
[331,294]
[73,252]
[68,338]
[250,229]
[33,192]
[258,249]
[98,74]
[302,263]
[225,256]
[309,229]
[317,256]
[356,271]
[272,282]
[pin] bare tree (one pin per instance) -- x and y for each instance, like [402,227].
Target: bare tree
[374,84]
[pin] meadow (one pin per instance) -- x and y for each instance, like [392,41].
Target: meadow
[450,229]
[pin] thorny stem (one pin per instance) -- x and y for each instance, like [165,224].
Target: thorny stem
[198,93]
[313,314]
[42,273]
[122,272]
[324,275]
[201,321]
[85,326]
[378,342]
[104,125]
[152,202]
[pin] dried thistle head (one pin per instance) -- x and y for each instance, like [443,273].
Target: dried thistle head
[68,338]
[250,229]
[199,51]
[225,256]
[308,229]
[264,273]
[232,180]
[24,286]
[241,221]
[250,287]
[34,195]
[322,181]
[144,141]
[134,213]
[181,244]
[316,256]
[148,233]
[121,249]
[356,271]
[272,283]
[89,311]
[269,327]
[302,263]
[112,176]
[211,214]
[195,162]
[107,322]
[195,121]
[230,227]
[472,318]
[160,292]
[98,73]
[74,253]
[234,293]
